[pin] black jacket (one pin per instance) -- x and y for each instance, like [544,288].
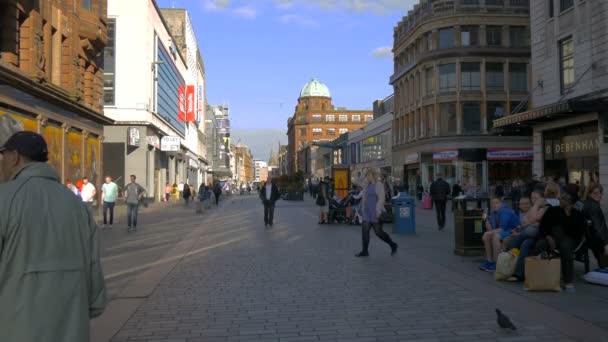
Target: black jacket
[274,194]
[573,225]
[440,190]
[599,231]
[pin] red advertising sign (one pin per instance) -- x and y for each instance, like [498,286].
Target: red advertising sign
[181,104]
[190,114]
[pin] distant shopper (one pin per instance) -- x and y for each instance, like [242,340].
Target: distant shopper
[322,200]
[372,204]
[269,194]
[440,190]
[134,194]
[217,192]
[72,187]
[186,193]
[598,233]
[88,193]
[109,192]
[456,190]
[180,188]
[168,190]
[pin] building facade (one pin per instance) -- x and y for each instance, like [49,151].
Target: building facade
[459,65]
[570,73]
[258,166]
[245,166]
[51,78]
[217,118]
[316,119]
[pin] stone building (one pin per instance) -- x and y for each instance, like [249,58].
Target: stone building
[459,65]
[570,95]
[316,119]
[51,78]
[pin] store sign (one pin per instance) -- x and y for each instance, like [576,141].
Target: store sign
[133,137]
[153,141]
[584,145]
[200,103]
[510,154]
[170,144]
[411,158]
[190,111]
[446,155]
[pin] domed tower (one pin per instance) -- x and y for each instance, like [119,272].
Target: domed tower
[314,96]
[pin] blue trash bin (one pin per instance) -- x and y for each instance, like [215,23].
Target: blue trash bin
[404,214]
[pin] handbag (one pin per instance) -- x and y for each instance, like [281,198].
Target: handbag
[543,274]
[505,264]
[320,201]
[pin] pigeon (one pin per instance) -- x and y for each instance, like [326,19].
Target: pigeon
[504,321]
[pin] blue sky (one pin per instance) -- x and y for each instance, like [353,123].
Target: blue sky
[259,54]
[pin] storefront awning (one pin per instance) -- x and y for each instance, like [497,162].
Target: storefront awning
[535,114]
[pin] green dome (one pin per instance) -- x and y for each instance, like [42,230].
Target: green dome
[315,88]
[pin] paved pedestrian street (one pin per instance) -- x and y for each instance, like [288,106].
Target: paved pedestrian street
[221,276]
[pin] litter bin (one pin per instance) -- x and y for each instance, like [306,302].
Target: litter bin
[468,226]
[404,214]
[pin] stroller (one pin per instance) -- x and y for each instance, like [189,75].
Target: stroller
[337,210]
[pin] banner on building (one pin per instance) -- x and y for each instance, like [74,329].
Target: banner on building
[201,104]
[510,154]
[446,155]
[170,144]
[190,113]
[181,103]
[133,138]
[223,126]
[153,141]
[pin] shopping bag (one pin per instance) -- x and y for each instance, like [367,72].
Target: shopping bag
[505,265]
[543,274]
[427,203]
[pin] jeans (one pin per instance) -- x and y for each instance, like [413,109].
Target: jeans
[132,209]
[108,206]
[566,246]
[379,233]
[526,245]
[268,212]
[440,209]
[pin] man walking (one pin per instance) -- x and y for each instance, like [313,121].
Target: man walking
[440,190]
[109,191]
[269,196]
[51,282]
[134,194]
[88,193]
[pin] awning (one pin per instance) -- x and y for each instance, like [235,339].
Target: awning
[535,114]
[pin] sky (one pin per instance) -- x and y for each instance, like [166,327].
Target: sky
[258,54]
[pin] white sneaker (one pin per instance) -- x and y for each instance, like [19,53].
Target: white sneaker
[570,288]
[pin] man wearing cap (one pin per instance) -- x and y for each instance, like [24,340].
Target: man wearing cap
[51,281]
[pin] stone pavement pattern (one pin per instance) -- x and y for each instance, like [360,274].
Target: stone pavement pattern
[300,282]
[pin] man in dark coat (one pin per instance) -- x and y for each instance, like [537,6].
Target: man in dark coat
[269,194]
[440,190]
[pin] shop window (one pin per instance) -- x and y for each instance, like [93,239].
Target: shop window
[565,4]
[447,78]
[471,117]
[470,76]
[494,35]
[566,51]
[343,130]
[331,131]
[518,77]
[302,132]
[469,36]
[519,36]
[495,77]
[86,4]
[495,110]
[429,81]
[109,65]
[330,118]
[446,38]
[447,122]
[343,118]
[317,131]
[317,118]
[356,118]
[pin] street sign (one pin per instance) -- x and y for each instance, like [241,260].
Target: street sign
[133,138]
[170,144]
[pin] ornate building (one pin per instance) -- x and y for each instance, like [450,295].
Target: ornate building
[459,65]
[51,78]
[316,119]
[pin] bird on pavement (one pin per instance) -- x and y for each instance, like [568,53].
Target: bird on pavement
[504,321]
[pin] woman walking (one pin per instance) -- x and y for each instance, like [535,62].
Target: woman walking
[372,205]
[186,193]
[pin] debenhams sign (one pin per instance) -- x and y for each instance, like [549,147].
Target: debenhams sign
[585,145]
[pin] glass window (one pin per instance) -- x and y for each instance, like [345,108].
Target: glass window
[369,118]
[87,4]
[565,4]
[495,110]
[343,130]
[495,77]
[469,36]
[550,8]
[518,36]
[302,132]
[356,118]
[519,107]
[447,78]
[429,41]
[317,131]
[343,118]
[518,77]
[447,122]
[567,63]
[331,131]
[429,81]
[317,118]
[494,35]
[446,38]
[430,122]
[470,76]
[109,66]
[330,118]
[471,117]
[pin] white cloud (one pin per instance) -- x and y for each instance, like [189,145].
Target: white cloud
[245,12]
[297,20]
[216,5]
[375,6]
[382,52]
